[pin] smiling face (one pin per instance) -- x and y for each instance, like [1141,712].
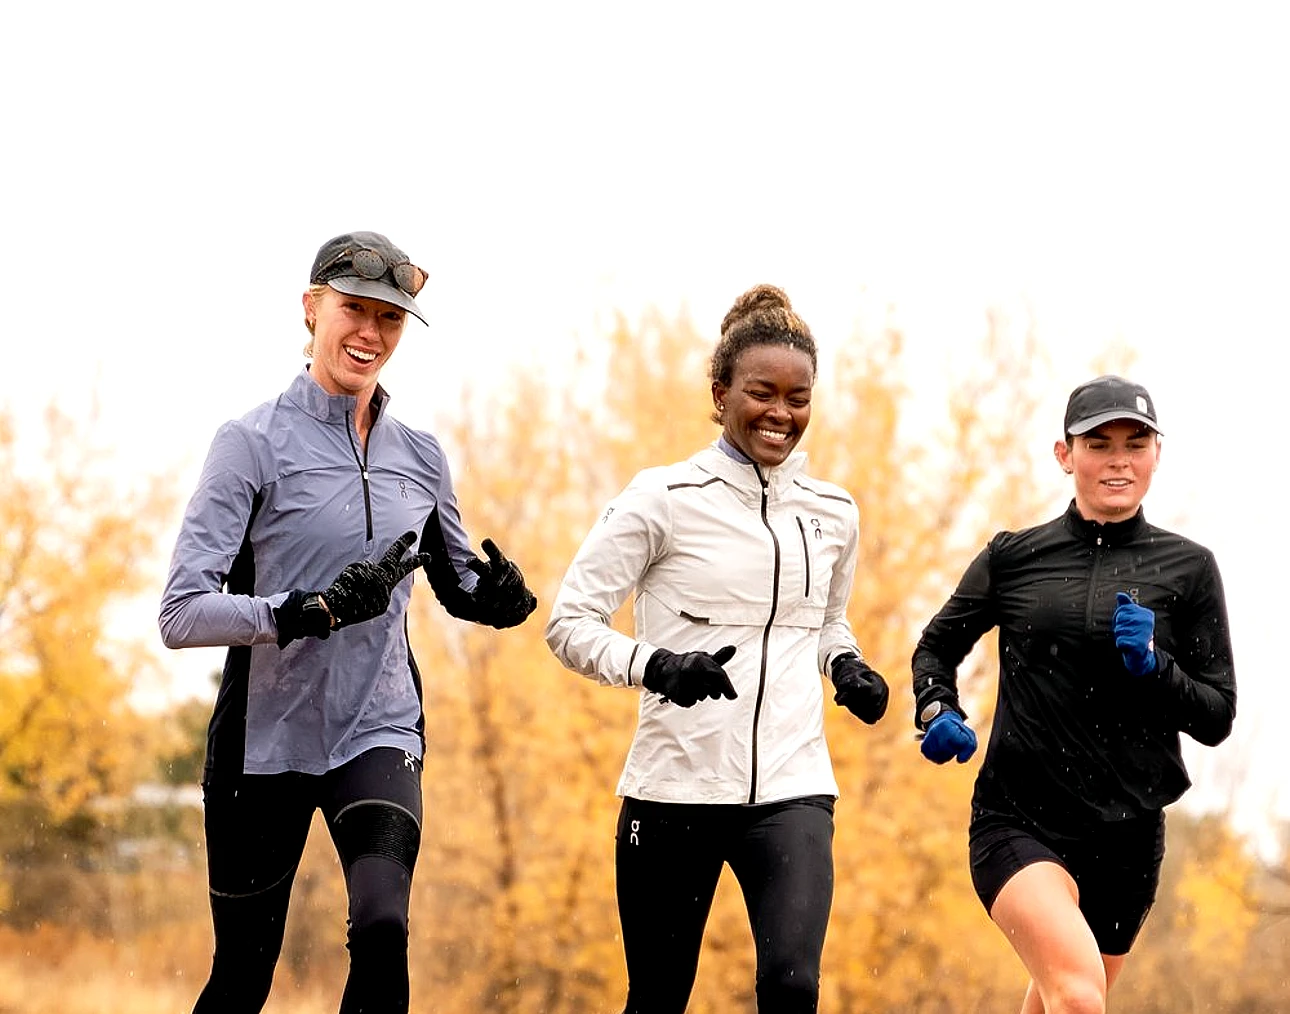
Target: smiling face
[353,338]
[767,406]
[1113,465]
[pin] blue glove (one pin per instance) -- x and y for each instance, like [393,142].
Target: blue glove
[948,736]
[1134,627]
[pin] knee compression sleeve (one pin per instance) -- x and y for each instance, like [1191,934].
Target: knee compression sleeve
[375,827]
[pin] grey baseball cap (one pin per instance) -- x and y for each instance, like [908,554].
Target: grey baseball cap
[368,265]
[1105,399]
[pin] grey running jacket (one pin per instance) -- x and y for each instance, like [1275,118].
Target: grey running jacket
[286,499]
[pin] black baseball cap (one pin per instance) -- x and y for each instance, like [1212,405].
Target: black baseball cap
[368,265]
[1105,399]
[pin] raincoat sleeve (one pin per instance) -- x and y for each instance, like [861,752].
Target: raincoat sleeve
[1198,680]
[631,533]
[836,636]
[195,610]
[950,636]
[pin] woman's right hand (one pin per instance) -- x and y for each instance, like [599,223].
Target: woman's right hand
[691,677]
[360,592]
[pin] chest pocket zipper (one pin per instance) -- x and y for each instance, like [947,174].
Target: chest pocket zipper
[806,557]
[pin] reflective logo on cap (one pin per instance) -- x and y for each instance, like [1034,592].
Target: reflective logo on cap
[1143,407]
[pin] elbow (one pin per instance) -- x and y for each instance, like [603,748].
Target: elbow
[556,638]
[1213,733]
[170,634]
[175,625]
[1216,726]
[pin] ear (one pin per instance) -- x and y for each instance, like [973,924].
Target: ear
[719,392]
[1062,452]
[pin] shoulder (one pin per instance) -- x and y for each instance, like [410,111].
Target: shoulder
[1027,540]
[821,489]
[422,441]
[1163,546]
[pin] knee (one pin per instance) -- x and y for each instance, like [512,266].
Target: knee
[238,981]
[788,988]
[379,928]
[1076,995]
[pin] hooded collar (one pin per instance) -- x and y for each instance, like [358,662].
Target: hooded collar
[307,395]
[1105,533]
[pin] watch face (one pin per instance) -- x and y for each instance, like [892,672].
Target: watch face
[931,711]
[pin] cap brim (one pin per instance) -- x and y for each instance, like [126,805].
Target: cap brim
[374,288]
[1094,421]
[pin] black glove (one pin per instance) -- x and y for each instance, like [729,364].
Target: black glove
[860,689]
[501,597]
[687,679]
[360,592]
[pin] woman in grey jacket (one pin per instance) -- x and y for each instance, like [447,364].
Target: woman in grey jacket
[741,566]
[293,553]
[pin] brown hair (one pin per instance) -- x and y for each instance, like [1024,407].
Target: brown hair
[761,316]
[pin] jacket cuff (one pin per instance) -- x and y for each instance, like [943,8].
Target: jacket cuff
[636,664]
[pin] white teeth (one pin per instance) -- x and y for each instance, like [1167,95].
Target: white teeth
[772,435]
[366,357]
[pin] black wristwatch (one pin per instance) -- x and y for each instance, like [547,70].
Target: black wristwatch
[314,603]
[932,711]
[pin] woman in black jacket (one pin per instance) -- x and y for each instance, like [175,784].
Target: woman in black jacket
[1113,639]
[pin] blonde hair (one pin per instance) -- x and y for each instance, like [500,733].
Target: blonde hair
[317,292]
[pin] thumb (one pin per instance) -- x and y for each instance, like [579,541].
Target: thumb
[1123,598]
[494,554]
[723,655]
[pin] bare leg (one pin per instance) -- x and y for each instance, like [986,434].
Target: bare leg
[1038,911]
[1112,963]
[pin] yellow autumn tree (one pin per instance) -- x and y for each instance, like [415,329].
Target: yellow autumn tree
[72,548]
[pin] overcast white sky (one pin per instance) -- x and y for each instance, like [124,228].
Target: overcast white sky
[1116,170]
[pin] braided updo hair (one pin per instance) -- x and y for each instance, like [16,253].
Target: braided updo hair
[761,316]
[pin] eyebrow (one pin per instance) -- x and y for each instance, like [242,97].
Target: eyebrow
[753,381]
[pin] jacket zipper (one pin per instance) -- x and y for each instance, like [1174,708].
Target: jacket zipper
[765,635]
[1092,585]
[362,470]
[806,556]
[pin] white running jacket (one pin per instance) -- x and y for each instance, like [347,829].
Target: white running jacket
[719,552]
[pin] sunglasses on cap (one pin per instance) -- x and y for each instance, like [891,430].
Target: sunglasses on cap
[371,264]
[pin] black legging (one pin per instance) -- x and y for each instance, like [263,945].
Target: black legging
[669,858]
[256,828]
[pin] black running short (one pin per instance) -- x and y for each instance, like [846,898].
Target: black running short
[1116,867]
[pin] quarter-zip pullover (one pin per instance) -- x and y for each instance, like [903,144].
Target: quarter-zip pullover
[1075,738]
[719,551]
[285,500]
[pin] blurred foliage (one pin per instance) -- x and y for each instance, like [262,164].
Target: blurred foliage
[72,747]
[513,907]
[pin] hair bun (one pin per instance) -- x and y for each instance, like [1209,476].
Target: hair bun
[759,297]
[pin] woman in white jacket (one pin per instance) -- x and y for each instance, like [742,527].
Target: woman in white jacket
[741,566]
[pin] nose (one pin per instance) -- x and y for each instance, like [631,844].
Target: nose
[369,326]
[779,411]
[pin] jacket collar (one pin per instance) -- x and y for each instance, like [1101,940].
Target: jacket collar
[1106,533]
[306,394]
[747,478]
